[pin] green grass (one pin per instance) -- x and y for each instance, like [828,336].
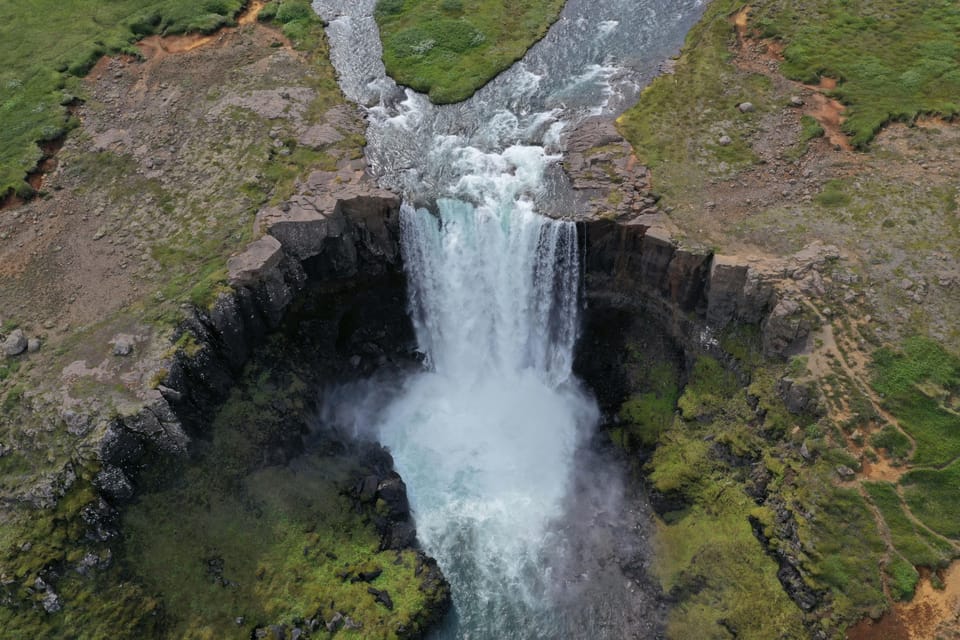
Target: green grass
[709,389]
[895,60]
[48,44]
[699,99]
[810,129]
[833,195]
[919,386]
[918,546]
[448,48]
[709,559]
[891,440]
[903,578]
[934,497]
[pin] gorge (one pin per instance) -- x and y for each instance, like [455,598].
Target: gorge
[471,370]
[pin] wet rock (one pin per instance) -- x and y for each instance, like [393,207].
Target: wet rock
[368,488]
[15,344]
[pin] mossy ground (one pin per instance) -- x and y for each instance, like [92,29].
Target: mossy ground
[750,482]
[242,530]
[275,544]
[448,48]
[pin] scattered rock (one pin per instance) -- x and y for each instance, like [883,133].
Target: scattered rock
[78,424]
[746,107]
[335,622]
[796,101]
[367,576]
[122,345]
[52,602]
[33,345]
[725,141]
[845,472]
[15,344]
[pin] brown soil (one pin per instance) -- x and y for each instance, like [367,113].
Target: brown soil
[931,614]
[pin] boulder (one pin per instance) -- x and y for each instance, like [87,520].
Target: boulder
[15,344]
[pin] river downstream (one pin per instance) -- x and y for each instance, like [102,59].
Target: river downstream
[531,530]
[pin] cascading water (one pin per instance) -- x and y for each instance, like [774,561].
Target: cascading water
[486,436]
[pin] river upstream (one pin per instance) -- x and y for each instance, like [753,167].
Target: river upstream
[535,534]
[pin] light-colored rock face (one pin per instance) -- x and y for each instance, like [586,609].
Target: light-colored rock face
[259,258]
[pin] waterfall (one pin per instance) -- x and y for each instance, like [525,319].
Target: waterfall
[485,436]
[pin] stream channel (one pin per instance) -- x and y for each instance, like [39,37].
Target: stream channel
[538,535]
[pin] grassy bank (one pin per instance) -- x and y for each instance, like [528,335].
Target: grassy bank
[449,48]
[49,44]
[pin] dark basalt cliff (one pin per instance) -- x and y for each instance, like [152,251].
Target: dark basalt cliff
[326,275]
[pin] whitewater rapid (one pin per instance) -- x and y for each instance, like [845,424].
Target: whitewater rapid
[486,436]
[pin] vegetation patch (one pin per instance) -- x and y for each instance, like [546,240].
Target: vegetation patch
[920,385]
[740,495]
[893,60]
[932,496]
[448,49]
[49,44]
[648,414]
[234,536]
[917,545]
